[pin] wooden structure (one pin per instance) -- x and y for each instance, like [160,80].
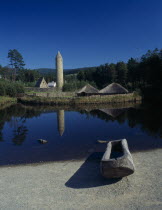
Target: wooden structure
[87,90]
[113,88]
[117,161]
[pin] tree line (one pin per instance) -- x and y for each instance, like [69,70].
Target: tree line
[144,74]
[15,70]
[135,74]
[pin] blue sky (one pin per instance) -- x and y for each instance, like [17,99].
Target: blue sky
[87,32]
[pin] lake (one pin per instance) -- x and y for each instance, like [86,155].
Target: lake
[72,132]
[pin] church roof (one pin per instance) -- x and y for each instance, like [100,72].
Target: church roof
[39,81]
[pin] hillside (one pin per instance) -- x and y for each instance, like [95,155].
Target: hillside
[66,71]
[45,70]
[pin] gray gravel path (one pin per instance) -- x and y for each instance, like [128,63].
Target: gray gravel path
[78,185]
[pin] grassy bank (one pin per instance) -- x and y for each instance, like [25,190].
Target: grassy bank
[122,98]
[7,100]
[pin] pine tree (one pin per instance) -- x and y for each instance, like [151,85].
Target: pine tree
[16,61]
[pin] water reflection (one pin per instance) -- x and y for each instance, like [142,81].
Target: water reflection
[60,121]
[112,112]
[20,130]
[21,126]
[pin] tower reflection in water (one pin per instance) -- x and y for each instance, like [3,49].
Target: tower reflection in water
[60,122]
[108,113]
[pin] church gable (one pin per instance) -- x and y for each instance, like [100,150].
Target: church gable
[41,83]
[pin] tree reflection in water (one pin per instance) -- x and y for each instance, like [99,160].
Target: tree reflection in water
[147,118]
[141,125]
[20,130]
[16,115]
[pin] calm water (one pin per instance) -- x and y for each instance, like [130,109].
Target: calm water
[72,133]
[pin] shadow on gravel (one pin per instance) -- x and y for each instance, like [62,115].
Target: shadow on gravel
[88,175]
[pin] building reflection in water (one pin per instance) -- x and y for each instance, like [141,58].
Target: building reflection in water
[113,112]
[60,121]
[61,117]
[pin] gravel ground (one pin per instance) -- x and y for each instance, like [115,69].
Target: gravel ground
[78,185]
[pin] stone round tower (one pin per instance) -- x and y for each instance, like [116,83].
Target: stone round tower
[59,69]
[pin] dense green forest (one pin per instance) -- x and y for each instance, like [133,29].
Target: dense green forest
[45,71]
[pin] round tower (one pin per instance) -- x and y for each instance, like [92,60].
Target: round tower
[59,69]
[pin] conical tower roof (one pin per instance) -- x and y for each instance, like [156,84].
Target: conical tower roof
[58,55]
[114,88]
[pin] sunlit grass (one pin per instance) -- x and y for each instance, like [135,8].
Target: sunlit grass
[82,100]
[6,100]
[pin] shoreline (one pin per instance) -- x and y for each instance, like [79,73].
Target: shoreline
[106,99]
[6,100]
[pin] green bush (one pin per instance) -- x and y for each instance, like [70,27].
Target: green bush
[30,84]
[11,90]
[8,88]
[2,90]
[138,92]
[19,88]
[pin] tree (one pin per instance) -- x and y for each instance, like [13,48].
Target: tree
[132,75]
[121,69]
[112,67]
[5,72]
[16,61]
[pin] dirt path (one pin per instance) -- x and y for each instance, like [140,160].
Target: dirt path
[78,185]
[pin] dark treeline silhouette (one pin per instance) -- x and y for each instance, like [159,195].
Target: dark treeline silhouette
[26,75]
[144,73]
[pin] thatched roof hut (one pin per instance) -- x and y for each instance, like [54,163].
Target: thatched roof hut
[87,90]
[41,83]
[113,88]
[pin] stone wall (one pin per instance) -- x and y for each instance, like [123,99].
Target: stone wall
[53,94]
[37,89]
